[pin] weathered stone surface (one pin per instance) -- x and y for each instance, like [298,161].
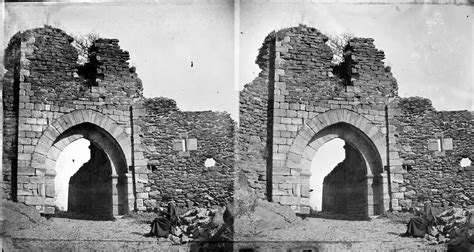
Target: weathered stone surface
[435,173]
[57,102]
[299,95]
[184,178]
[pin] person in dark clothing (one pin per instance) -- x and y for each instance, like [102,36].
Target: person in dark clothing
[161,226]
[420,226]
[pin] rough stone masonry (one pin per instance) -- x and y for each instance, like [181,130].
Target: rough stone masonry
[300,101]
[49,101]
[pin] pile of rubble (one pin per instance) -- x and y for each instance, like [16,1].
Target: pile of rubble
[455,226]
[203,225]
[16,216]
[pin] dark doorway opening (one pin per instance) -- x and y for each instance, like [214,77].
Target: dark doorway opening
[345,187]
[90,188]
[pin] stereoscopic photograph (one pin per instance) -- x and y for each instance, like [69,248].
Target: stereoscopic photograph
[237,125]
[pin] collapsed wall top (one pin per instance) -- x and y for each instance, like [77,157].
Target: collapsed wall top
[47,58]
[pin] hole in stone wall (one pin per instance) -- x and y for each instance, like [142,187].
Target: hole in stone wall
[87,65]
[210,162]
[324,161]
[465,162]
[70,160]
[341,61]
[152,168]
[407,167]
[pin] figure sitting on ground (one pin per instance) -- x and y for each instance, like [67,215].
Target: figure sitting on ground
[161,226]
[421,225]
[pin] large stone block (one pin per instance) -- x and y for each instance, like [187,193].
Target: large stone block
[299,144]
[447,144]
[34,200]
[26,171]
[397,178]
[289,200]
[279,156]
[281,171]
[50,191]
[276,192]
[24,192]
[305,191]
[399,195]
[395,203]
[48,210]
[433,145]
[309,153]
[280,127]
[304,210]
[292,128]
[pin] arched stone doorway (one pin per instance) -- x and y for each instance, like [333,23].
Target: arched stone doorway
[101,187]
[363,192]
[349,186]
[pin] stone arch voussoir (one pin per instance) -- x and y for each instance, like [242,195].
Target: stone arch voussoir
[303,148]
[47,150]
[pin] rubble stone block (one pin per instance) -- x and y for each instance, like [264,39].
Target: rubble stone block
[289,200]
[433,145]
[34,200]
[49,210]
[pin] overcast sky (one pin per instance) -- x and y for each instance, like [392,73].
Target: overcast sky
[429,47]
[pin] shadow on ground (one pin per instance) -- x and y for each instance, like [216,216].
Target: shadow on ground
[79,216]
[331,216]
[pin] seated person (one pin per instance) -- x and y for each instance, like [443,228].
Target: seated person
[420,226]
[161,226]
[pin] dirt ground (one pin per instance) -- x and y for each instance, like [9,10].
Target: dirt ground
[334,235]
[61,234]
[270,228]
[71,234]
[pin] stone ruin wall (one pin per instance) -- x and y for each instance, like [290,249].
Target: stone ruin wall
[254,102]
[45,91]
[298,83]
[302,84]
[181,176]
[430,171]
[42,84]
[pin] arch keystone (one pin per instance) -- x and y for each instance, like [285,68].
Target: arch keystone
[86,115]
[77,116]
